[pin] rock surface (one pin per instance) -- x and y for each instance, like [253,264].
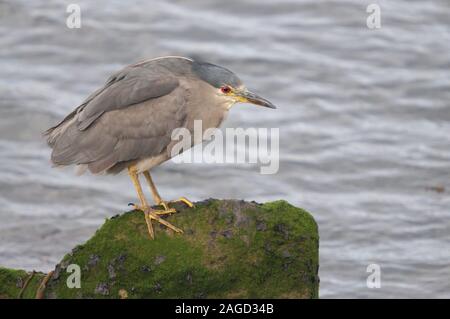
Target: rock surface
[229,249]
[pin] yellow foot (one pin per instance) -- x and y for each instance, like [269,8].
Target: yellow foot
[151,213]
[181,199]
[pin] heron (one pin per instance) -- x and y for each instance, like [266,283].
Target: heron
[127,124]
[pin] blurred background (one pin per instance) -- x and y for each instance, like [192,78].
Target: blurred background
[364,120]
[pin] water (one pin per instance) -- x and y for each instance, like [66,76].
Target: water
[364,121]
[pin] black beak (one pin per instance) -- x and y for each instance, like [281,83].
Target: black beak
[250,97]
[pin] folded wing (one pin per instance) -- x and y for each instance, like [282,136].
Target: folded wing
[130,118]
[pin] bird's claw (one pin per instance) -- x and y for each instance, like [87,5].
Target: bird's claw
[184,200]
[155,214]
[151,213]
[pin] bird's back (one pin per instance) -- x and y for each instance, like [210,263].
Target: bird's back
[131,118]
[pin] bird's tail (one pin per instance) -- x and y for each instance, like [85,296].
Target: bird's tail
[53,133]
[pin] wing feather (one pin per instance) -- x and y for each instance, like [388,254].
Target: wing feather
[134,84]
[138,131]
[131,86]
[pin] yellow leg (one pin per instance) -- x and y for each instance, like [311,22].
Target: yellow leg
[144,205]
[149,213]
[25,285]
[157,198]
[40,293]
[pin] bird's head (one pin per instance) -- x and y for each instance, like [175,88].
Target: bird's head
[228,86]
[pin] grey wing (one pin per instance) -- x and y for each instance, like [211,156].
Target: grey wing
[133,84]
[131,118]
[130,86]
[139,131]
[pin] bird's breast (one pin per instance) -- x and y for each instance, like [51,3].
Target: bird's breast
[147,163]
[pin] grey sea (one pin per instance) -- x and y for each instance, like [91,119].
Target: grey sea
[364,119]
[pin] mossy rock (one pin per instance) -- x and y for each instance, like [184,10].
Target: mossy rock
[12,281]
[229,249]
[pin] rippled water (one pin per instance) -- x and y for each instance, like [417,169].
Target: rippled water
[364,121]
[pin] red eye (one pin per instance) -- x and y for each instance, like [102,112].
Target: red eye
[225,89]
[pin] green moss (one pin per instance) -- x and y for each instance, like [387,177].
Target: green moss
[230,249]
[12,281]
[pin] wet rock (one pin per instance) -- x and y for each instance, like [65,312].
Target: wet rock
[233,212]
[76,249]
[102,289]
[227,233]
[146,268]
[121,259]
[261,226]
[189,278]
[19,282]
[268,248]
[200,295]
[283,230]
[93,260]
[159,259]
[52,295]
[213,234]
[57,271]
[217,260]
[111,272]
[116,264]
[246,240]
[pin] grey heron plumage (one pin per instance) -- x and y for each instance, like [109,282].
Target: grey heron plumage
[128,123]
